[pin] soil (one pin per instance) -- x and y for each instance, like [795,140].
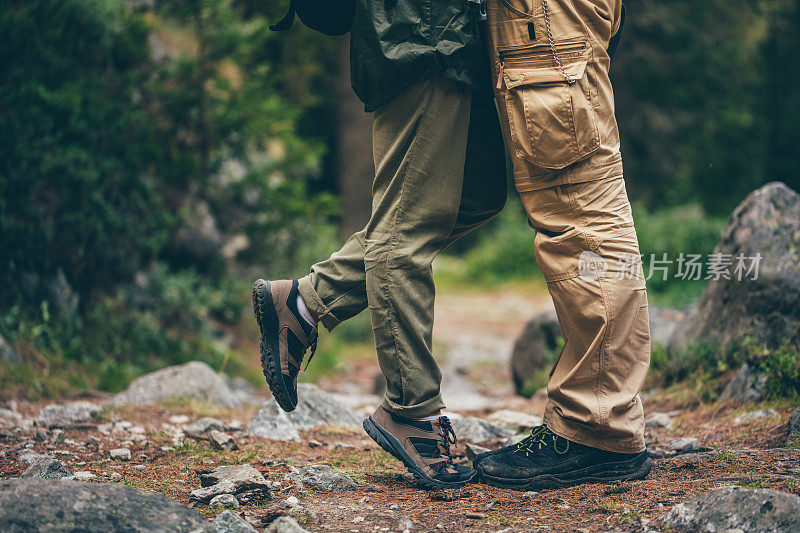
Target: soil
[751,455]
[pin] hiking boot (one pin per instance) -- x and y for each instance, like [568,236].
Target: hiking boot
[422,445]
[546,461]
[285,337]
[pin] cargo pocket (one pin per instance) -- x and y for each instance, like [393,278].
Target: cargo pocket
[552,121]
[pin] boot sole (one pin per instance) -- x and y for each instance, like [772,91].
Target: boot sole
[269,326]
[388,442]
[623,471]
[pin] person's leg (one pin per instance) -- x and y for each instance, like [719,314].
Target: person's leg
[587,249]
[335,290]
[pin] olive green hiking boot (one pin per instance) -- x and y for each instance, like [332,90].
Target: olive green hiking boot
[285,337]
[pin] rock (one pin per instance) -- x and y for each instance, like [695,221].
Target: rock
[222,441]
[793,426]
[477,430]
[7,354]
[755,415]
[203,426]
[685,445]
[228,522]
[473,450]
[64,415]
[664,322]
[766,223]
[322,478]
[243,390]
[285,524]
[179,419]
[120,454]
[290,503]
[194,380]
[315,408]
[460,394]
[405,523]
[658,420]
[529,495]
[515,421]
[45,467]
[244,481]
[206,494]
[30,456]
[746,386]
[58,436]
[271,422]
[224,500]
[535,349]
[50,505]
[254,496]
[736,509]
[84,475]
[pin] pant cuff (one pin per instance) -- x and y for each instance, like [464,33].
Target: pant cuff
[426,408]
[315,304]
[593,438]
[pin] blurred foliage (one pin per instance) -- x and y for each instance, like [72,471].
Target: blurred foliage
[149,158]
[708,99]
[156,155]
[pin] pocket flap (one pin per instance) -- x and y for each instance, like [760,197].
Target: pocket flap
[543,74]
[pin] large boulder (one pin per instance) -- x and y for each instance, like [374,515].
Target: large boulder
[535,349]
[315,408]
[51,505]
[746,386]
[736,509]
[192,380]
[767,308]
[7,354]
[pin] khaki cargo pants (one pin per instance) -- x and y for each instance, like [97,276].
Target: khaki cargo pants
[560,129]
[440,172]
[552,87]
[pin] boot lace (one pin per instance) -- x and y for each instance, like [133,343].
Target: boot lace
[312,348]
[539,438]
[448,438]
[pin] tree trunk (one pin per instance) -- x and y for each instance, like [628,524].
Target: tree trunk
[355,166]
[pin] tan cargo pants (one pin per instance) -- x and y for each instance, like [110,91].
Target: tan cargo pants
[552,87]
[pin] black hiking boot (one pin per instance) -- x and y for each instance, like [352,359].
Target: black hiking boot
[285,337]
[546,461]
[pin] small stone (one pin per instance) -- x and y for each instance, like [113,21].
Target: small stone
[229,522]
[515,421]
[120,454]
[58,436]
[322,478]
[405,523]
[478,430]
[254,496]
[358,519]
[473,450]
[206,494]
[658,420]
[92,444]
[228,501]
[115,476]
[314,443]
[285,524]
[685,445]
[755,415]
[529,495]
[222,441]
[47,468]
[290,502]
[204,425]
[179,419]
[478,516]
[84,475]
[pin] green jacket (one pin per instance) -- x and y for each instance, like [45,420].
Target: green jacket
[393,43]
